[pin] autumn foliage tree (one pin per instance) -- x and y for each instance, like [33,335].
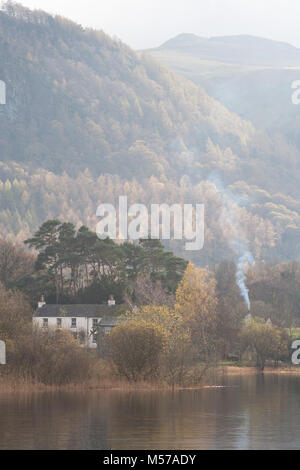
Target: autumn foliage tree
[268,341]
[196,301]
[178,353]
[188,328]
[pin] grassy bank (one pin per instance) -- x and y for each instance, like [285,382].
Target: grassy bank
[250,369]
[11,384]
[17,385]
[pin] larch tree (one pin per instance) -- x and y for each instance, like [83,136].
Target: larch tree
[196,301]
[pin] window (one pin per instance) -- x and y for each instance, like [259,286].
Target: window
[45,322]
[95,322]
[74,323]
[95,339]
[58,322]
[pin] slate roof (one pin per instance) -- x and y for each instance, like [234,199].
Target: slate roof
[108,314]
[109,321]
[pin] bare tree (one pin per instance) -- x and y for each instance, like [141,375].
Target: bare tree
[14,262]
[147,292]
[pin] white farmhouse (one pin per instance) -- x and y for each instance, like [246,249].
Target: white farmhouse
[84,321]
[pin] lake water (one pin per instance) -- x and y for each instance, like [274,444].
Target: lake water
[251,412]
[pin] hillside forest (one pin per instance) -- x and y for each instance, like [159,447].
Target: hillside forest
[87,119]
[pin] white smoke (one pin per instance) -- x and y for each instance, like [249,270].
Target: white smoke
[237,239]
[243,263]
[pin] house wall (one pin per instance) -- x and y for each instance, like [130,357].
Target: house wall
[82,323]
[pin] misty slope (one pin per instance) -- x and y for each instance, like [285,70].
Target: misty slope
[243,49]
[87,120]
[78,99]
[251,76]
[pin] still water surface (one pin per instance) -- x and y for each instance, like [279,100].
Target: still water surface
[251,412]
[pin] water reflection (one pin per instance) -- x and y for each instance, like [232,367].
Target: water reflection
[252,412]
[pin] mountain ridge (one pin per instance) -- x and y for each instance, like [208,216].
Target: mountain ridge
[234,49]
[258,87]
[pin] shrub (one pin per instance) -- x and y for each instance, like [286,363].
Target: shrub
[268,341]
[135,347]
[51,357]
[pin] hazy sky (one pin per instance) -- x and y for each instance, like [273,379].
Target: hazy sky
[148,23]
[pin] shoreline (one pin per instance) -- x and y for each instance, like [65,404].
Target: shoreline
[13,385]
[251,370]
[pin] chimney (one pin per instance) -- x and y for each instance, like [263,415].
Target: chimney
[42,302]
[111,301]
